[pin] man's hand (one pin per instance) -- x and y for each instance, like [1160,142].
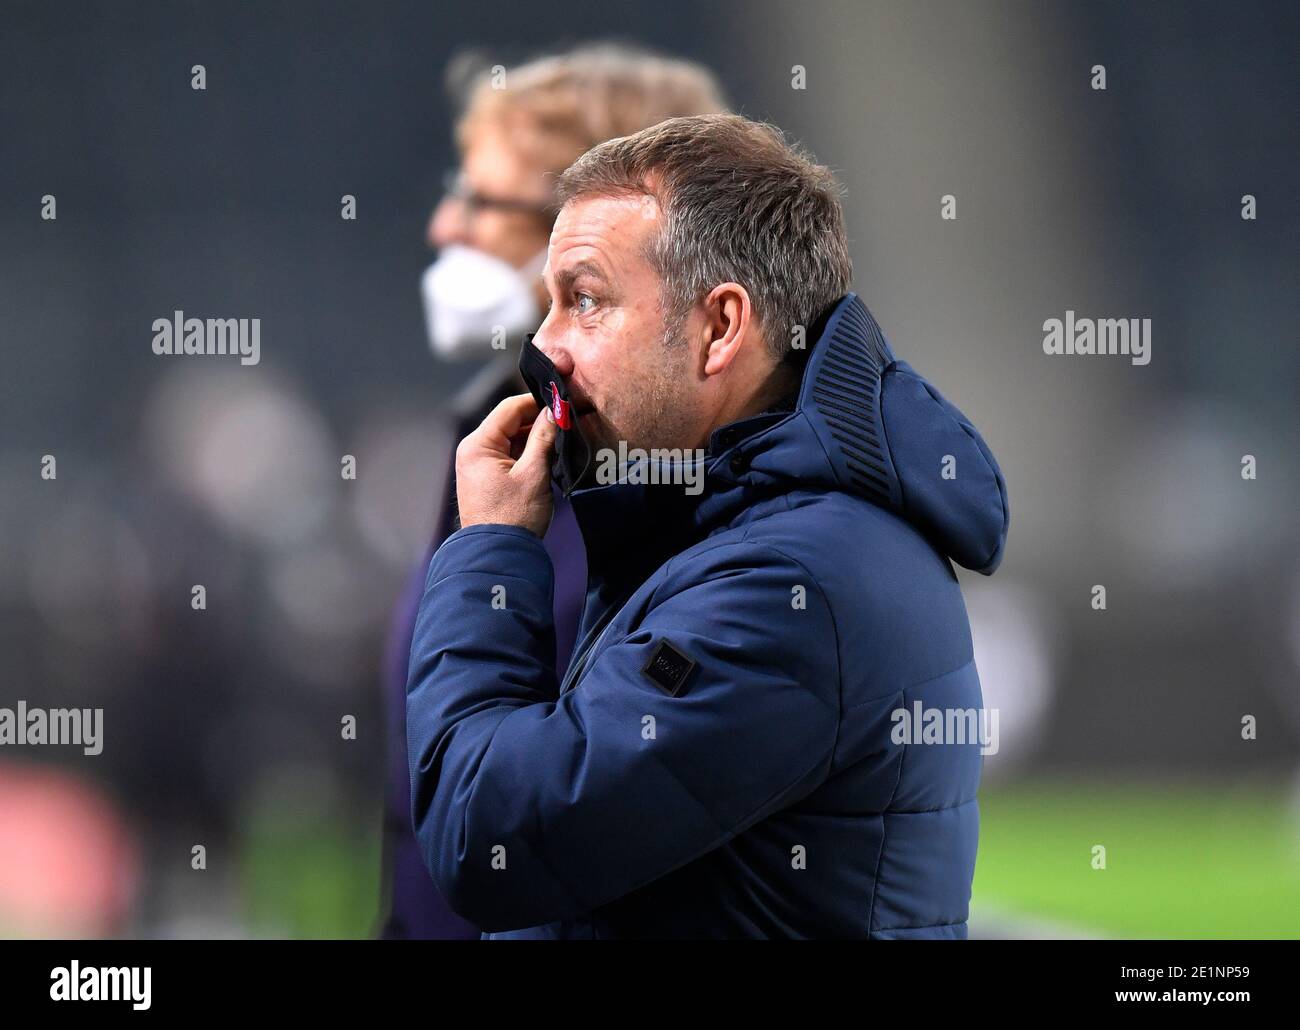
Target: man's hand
[503,468]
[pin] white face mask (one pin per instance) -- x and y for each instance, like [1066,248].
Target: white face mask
[472,299]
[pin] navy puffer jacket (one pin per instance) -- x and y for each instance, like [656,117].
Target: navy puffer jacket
[726,756]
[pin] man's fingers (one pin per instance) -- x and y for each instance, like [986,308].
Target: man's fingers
[537,451]
[512,414]
[505,422]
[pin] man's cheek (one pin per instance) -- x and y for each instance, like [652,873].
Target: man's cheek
[613,322]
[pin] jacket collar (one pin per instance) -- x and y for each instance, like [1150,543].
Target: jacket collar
[862,423]
[630,529]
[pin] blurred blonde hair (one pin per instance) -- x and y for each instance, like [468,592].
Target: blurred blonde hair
[557,107]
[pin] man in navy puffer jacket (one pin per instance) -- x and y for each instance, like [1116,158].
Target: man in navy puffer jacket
[771,724]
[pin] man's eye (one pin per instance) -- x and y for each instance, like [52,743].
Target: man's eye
[583,298]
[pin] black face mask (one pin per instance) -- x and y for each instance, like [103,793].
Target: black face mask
[572,454]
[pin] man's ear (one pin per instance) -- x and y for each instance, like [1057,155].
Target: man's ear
[728,324]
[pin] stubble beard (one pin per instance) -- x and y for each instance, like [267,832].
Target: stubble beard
[664,418]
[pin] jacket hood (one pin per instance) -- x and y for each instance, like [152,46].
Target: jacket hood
[863,423]
[870,425]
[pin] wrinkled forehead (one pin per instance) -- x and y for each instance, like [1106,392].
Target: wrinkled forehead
[603,234]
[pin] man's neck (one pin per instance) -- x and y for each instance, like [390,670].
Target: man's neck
[780,392]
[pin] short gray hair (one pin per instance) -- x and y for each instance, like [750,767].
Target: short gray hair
[742,205]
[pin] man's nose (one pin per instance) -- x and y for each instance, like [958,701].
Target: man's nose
[447,224]
[549,343]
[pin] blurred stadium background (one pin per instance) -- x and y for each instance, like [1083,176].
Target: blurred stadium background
[1119,728]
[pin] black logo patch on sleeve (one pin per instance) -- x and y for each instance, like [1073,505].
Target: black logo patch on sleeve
[668,668]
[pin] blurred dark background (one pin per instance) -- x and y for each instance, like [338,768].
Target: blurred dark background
[222,726]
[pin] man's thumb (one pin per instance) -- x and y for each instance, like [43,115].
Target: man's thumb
[541,437]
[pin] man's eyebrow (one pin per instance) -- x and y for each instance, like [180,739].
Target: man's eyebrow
[565,277]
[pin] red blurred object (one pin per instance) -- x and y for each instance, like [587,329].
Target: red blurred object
[69,865]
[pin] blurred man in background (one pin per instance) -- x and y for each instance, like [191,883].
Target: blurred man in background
[519,129]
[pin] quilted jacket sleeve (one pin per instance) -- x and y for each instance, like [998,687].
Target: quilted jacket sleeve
[531,807]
